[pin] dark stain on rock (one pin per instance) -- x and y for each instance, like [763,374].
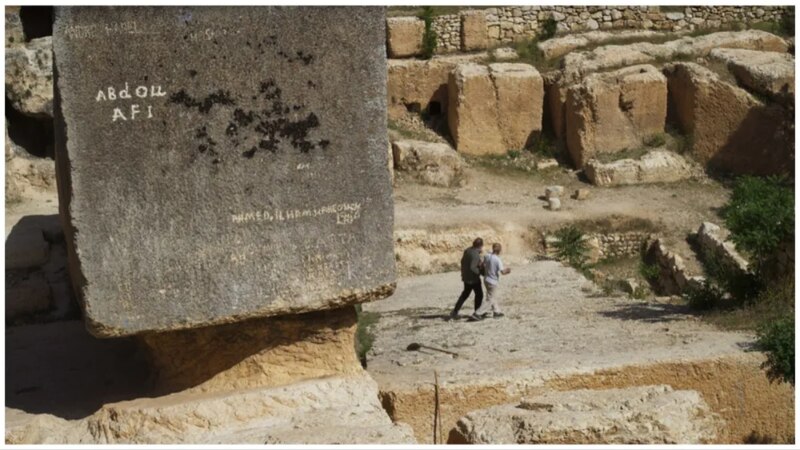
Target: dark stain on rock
[219,97]
[192,73]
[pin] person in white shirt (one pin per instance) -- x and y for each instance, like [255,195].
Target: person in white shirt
[493,267]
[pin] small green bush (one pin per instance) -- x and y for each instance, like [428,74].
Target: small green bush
[364,338]
[649,272]
[571,247]
[430,40]
[760,215]
[548,30]
[786,24]
[743,287]
[703,298]
[776,339]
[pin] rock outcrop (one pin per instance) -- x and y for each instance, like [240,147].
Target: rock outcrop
[494,109]
[767,73]
[730,129]
[430,163]
[613,111]
[29,77]
[637,415]
[656,166]
[404,36]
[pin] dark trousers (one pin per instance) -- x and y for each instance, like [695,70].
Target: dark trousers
[468,288]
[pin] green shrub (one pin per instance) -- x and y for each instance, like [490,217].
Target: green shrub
[364,338]
[786,24]
[543,145]
[743,287]
[513,154]
[548,30]
[704,297]
[571,247]
[760,215]
[649,272]
[429,38]
[776,339]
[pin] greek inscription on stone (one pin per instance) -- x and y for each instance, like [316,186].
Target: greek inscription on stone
[141,109]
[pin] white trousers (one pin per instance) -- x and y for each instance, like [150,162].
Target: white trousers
[490,300]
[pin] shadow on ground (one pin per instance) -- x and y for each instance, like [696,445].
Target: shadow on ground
[649,312]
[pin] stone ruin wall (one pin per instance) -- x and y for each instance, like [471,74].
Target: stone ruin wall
[510,23]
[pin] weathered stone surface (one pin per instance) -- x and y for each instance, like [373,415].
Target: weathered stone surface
[731,130]
[504,54]
[29,77]
[547,163]
[333,410]
[520,95]
[204,198]
[431,163]
[553,191]
[636,415]
[656,166]
[417,85]
[554,203]
[472,111]
[494,109]
[473,31]
[404,36]
[714,247]
[614,111]
[14,33]
[561,45]
[581,194]
[767,73]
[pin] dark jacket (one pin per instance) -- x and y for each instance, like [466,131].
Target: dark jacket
[470,273]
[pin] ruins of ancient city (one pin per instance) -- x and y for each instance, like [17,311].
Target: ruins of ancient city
[252,224]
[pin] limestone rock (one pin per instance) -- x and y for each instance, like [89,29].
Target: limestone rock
[494,109]
[713,246]
[554,203]
[636,415]
[404,36]
[285,164]
[656,166]
[581,194]
[553,191]
[731,130]
[333,410]
[432,163]
[473,31]
[417,85]
[29,77]
[614,111]
[547,163]
[504,54]
[767,73]
[14,32]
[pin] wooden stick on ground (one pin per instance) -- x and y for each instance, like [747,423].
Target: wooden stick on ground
[437,416]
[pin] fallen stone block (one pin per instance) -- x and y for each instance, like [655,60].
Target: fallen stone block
[730,130]
[421,85]
[614,111]
[656,166]
[404,36]
[431,163]
[548,163]
[473,31]
[635,415]
[553,191]
[504,54]
[714,246]
[554,203]
[767,73]
[581,194]
[237,197]
[494,109]
[561,45]
[29,77]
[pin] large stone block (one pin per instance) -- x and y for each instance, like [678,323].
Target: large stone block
[614,111]
[222,163]
[730,129]
[429,162]
[767,73]
[656,166]
[494,109]
[404,36]
[474,35]
[416,85]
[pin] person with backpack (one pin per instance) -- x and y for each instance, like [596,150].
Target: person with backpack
[493,268]
[471,276]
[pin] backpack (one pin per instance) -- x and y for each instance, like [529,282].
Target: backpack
[482,266]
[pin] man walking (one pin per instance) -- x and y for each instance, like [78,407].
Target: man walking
[493,269]
[471,276]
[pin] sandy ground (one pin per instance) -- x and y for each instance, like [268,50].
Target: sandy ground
[503,198]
